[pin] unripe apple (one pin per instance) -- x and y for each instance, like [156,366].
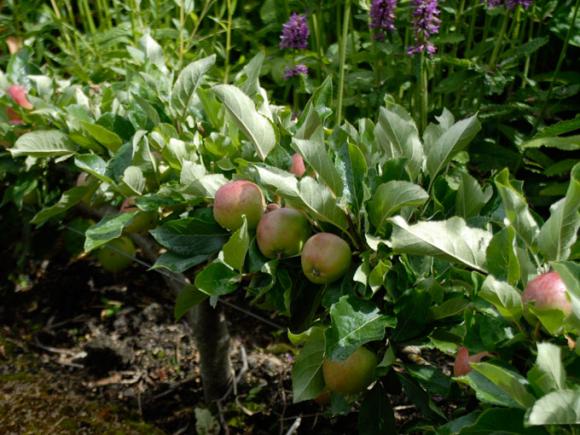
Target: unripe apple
[282,233]
[353,374]
[547,292]
[462,365]
[235,199]
[18,94]
[297,167]
[117,254]
[271,207]
[142,222]
[325,258]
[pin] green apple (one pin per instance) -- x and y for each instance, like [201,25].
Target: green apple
[325,258]
[352,375]
[282,232]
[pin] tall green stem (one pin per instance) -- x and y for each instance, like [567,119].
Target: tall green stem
[471,27]
[342,62]
[499,41]
[559,64]
[181,31]
[230,8]
[423,92]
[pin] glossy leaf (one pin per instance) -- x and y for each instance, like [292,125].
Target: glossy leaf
[451,239]
[502,257]
[217,279]
[548,373]
[187,83]
[353,323]
[237,246]
[516,209]
[256,127]
[43,143]
[187,298]
[107,229]
[307,379]
[506,299]
[190,236]
[390,197]
[317,157]
[560,231]
[558,407]
[470,197]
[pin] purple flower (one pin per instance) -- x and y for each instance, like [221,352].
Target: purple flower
[512,4]
[425,23]
[382,17]
[295,32]
[296,70]
[492,3]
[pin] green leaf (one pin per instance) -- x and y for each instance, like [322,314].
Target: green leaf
[353,323]
[283,182]
[376,415]
[187,83]
[307,379]
[470,197]
[391,197]
[133,178]
[451,239]
[502,258]
[107,229]
[397,134]
[177,263]
[94,165]
[190,237]
[453,140]
[187,298]
[449,308]
[256,127]
[153,52]
[498,421]
[516,209]
[68,199]
[420,398]
[548,373]
[217,279]
[102,135]
[559,407]
[316,156]
[321,203]
[560,231]
[506,299]
[43,143]
[236,248]
[565,143]
[511,384]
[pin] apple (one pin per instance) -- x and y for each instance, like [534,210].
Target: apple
[117,254]
[547,292]
[236,199]
[325,258]
[297,167]
[282,232]
[142,222]
[353,374]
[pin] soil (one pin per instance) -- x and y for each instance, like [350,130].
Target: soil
[83,351]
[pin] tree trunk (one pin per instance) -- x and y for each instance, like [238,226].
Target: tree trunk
[213,342]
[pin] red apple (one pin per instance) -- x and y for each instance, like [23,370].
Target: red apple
[547,292]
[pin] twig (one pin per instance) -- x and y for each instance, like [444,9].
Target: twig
[222,418]
[294,428]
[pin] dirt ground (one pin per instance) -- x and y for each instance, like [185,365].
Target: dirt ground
[82,351]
